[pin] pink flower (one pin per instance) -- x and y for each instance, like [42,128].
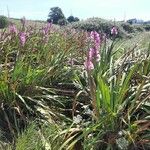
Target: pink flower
[114,31]
[93,54]
[95,37]
[88,65]
[97,56]
[47,28]
[22,37]
[12,28]
[49,25]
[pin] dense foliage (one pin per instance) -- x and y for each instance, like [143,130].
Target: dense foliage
[64,89]
[56,16]
[103,26]
[147,27]
[128,27]
[3,22]
[72,19]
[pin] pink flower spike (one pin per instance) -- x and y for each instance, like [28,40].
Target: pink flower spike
[114,31]
[97,57]
[88,65]
[95,37]
[93,54]
[47,28]
[22,37]
[12,28]
[90,54]
[49,25]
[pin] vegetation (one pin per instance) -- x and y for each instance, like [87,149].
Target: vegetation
[103,26]
[56,16]
[65,89]
[3,22]
[72,19]
[147,27]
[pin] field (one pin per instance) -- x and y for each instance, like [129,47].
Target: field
[69,89]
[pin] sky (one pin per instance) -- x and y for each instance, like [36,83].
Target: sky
[106,9]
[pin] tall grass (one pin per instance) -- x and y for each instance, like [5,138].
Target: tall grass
[43,79]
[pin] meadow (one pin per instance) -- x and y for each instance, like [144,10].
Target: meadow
[68,89]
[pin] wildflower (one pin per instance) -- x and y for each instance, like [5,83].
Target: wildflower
[22,37]
[49,25]
[45,31]
[91,54]
[88,64]
[47,28]
[12,28]
[95,37]
[94,54]
[114,31]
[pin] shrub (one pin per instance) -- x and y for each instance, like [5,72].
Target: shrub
[71,19]
[3,22]
[62,22]
[96,24]
[127,27]
[147,27]
[139,28]
[99,25]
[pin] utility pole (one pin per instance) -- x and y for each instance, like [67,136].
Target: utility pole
[8,12]
[124,17]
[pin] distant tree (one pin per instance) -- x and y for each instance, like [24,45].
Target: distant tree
[130,22]
[72,19]
[3,22]
[76,19]
[55,15]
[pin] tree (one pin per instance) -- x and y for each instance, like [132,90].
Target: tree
[76,19]
[55,15]
[3,22]
[72,19]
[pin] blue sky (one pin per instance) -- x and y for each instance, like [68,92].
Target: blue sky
[108,9]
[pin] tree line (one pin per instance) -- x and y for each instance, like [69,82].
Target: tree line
[56,16]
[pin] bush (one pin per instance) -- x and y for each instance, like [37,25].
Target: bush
[99,25]
[127,27]
[96,24]
[3,22]
[62,22]
[71,19]
[139,28]
[147,27]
